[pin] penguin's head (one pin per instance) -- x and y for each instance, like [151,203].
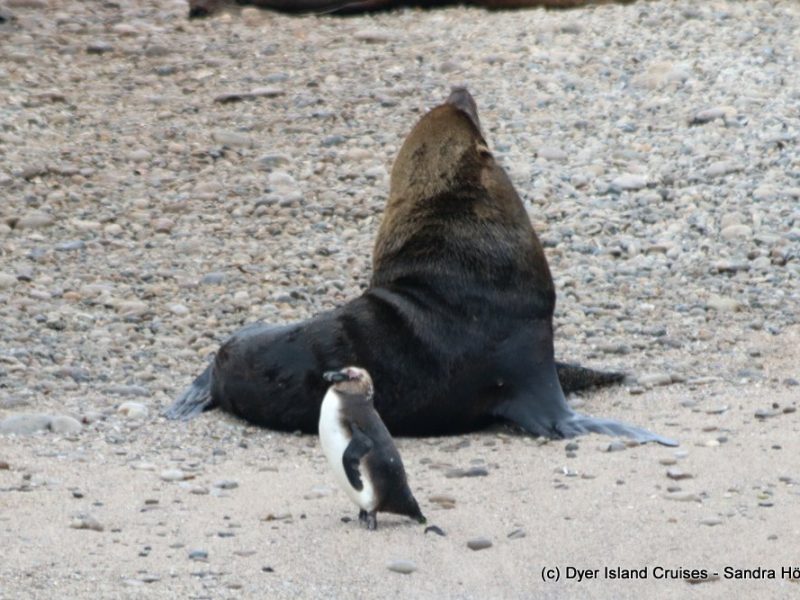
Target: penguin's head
[351,381]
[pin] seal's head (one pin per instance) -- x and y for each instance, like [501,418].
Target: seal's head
[352,381]
[454,215]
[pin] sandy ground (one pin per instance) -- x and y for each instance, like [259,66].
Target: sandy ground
[280,534]
[150,185]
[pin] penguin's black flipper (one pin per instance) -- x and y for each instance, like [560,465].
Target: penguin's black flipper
[359,446]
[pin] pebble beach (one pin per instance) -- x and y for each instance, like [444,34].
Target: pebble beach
[164,182]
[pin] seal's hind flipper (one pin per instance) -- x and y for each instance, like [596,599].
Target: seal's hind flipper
[566,423]
[574,378]
[194,399]
[541,409]
[578,424]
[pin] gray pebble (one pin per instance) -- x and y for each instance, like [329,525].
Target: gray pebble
[629,181]
[654,379]
[226,484]
[25,424]
[616,446]
[199,555]
[479,543]
[133,410]
[213,279]
[172,475]
[99,47]
[517,534]
[86,522]
[682,497]
[7,280]
[443,500]
[401,566]
[65,425]
[471,472]
[128,390]
[677,474]
[232,139]
[34,220]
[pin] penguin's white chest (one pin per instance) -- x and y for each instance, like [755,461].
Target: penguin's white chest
[335,438]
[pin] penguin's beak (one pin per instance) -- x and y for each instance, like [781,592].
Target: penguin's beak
[335,376]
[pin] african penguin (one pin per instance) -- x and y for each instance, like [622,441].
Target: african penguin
[360,449]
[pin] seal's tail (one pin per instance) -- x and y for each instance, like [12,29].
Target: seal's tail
[574,378]
[194,399]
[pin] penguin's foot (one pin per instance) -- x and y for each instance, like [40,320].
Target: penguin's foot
[372,520]
[362,515]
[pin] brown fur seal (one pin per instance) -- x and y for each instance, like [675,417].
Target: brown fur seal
[204,8]
[456,327]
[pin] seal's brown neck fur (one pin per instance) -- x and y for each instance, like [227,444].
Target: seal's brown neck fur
[453,211]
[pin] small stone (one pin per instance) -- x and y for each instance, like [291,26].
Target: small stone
[86,522]
[173,475]
[405,567]
[723,167]
[65,425]
[443,500]
[213,279]
[552,153]
[479,543]
[25,424]
[198,555]
[517,534]
[226,484]
[163,225]
[667,461]
[7,280]
[99,47]
[723,304]
[232,139]
[139,155]
[696,580]
[766,413]
[34,220]
[733,232]
[682,497]
[629,181]
[471,472]
[706,116]
[281,516]
[655,379]
[677,474]
[616,446]
[178,309]
[133,410]
[128,390]
[711,522]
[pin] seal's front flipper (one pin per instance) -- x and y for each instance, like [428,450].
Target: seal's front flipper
[194,399]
